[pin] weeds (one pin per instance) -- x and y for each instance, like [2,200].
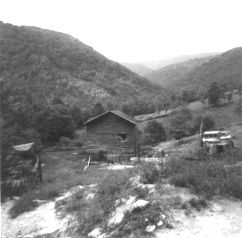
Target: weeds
[206,178]
[25,203]
[140,192]
[135,222]
[148,172]
[89,214]
[198,203]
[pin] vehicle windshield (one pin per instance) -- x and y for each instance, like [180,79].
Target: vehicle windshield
[210,136]
[215,135]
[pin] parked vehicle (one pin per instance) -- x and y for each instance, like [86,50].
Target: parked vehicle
[217,137]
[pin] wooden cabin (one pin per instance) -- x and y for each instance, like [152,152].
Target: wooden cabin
[112,131]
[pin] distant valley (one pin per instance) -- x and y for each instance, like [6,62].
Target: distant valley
[194,74]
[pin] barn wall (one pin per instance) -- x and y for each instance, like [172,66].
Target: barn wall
[103,131]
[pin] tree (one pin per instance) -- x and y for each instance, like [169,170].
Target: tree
[189,96]
[214,94]
[238,107]
[162,102]
[181,123]
[155,132]
[97,109]
[207,122]
[53,122]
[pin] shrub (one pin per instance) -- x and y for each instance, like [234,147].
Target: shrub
[148,172]
[234,186]
[24,204]
[110,188]
[135,222]
[48,191]
[154,132]
[198,203]
[71,204]
[89,214]
[208,123]
[64,141]
[141,192]
[194,151]
[238,107]
[207,179]
[181,123]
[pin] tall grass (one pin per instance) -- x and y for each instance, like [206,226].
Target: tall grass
[25,203]
[206,178]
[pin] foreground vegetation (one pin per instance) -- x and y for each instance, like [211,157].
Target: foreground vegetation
[61,171]
[204,177]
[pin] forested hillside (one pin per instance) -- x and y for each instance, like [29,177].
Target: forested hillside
[174,76]
[138,68]
[225,69]
[52,82]
[52,63]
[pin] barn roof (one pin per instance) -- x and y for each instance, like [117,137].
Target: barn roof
[117,113]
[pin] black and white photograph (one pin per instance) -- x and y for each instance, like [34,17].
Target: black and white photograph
[121,118]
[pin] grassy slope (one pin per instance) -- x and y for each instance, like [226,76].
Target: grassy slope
[223,116]
[173,75]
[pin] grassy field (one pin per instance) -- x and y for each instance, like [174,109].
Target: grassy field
[223,116]
[61,171]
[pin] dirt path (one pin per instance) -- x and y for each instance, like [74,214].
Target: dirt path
[223,220]
[42,220]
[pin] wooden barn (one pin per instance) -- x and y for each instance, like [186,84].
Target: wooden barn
[112,131]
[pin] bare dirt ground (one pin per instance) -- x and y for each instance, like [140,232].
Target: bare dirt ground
[42,220]
[222,220]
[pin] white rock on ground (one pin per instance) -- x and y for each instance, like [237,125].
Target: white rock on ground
[96,233]
[150,228]
[160,223]
[90,196]
[118,167]
[139,203]
[128,205]
[119,212]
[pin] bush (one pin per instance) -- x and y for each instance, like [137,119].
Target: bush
[206,178]
[154,132]
[48,191]
[238,107]
[148,172]
[197,203]
[181,123]
[64,141]
[208,124]
[24,204]
[135,222]
[140,192]
[110,188]
[194,151]
[89,214]
[72,204]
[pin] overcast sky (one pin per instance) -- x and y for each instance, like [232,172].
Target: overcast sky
[136,30]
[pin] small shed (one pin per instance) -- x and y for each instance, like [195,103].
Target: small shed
[27,161]
[112,131]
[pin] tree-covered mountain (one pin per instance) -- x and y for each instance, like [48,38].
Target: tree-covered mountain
[51,82]
[198,74]
[51,64]
[138,68]
[158,64]
[173,76]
